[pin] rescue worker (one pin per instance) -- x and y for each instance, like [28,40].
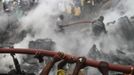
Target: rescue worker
[98,26]
[60,24]
[93,52]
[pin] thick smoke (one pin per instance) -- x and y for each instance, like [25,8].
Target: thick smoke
[123,8]
[7,63]
[119,8]
[40,22]
[8,32]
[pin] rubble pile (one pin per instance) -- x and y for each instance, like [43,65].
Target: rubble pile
[121,56]
[46,44]
[30,63]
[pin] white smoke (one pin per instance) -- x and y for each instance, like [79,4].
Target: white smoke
[42,21]
[122,8]
[7,62]
[119,8]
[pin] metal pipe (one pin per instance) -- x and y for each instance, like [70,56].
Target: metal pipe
[93,63]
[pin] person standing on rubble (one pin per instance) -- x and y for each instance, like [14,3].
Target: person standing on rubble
[98,26]
[60,24]
[94,52]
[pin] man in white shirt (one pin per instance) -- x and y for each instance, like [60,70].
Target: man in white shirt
[60,24]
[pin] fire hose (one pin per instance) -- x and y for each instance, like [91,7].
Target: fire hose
[81,62]
[79,22]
